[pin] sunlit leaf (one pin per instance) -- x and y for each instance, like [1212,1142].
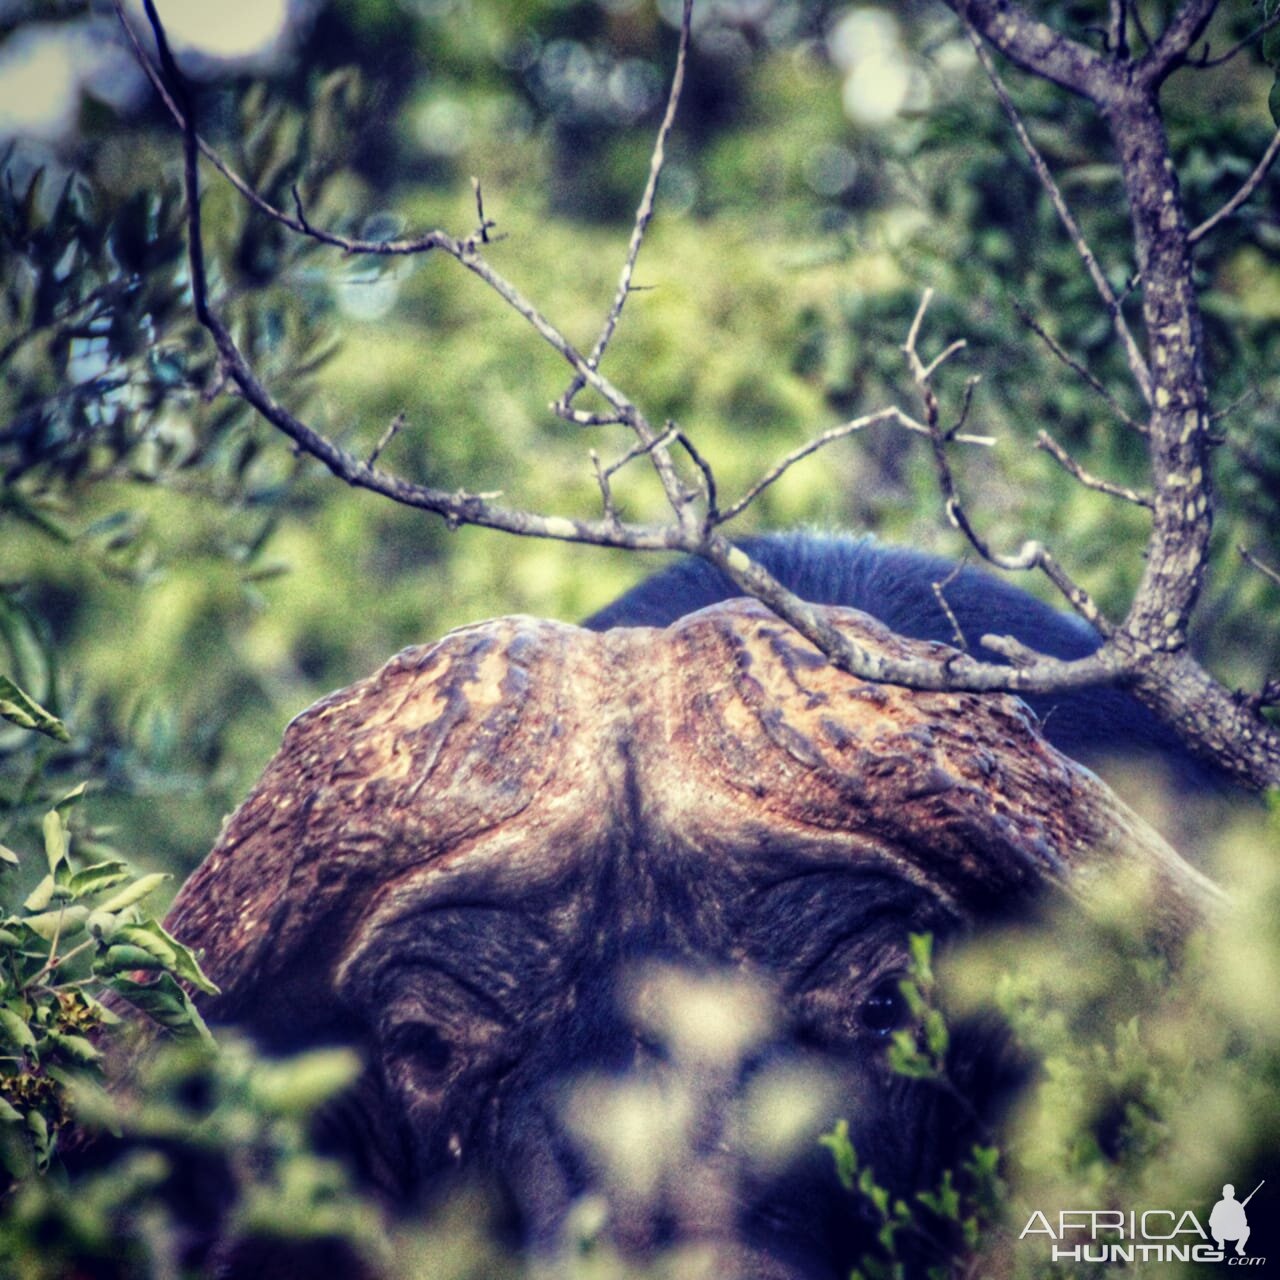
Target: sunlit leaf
[15,1030]
[56,841]
[19,708]
[140,888]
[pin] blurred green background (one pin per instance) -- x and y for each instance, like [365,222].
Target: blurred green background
[177,585]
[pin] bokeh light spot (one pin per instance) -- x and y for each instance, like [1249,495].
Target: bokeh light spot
[232,29]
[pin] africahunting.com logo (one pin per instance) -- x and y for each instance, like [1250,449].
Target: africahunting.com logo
[1148,1235]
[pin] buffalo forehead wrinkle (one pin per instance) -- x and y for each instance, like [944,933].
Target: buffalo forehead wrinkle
[548,743]
[348,765]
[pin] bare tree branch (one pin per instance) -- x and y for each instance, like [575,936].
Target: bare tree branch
[830,436]
[685,535]
[1254,563]
[1032,554]
[1147,652]
[1049,445]
[644,212]
[1137,365]
[959,672]
[1204,61]
[1076,367]
[1035,46]
[1250,185]
[1117,28]
[1170,49]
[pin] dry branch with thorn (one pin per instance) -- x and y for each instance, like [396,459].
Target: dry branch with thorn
[1146,649]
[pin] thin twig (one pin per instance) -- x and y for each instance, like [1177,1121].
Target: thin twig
[1046,443]
[1137,365]
[1261,566]
[830,436]
[939,591]
[953,431]
[1251,184]
[1220,415]
[938,361]
[709,491]
[423,243]
[484,225]
[1076,367]
[393,430]
[606,491]
[1204,61]
[1032,554]
[669,436]
[1117,32]
[644,211]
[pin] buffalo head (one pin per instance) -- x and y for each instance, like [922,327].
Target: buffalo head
[617,921]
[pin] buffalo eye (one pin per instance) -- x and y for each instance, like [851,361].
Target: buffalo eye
[885,1010]
[422,1044]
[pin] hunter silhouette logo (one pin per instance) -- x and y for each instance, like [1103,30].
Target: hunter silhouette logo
[1228,1220]
[1146,1235]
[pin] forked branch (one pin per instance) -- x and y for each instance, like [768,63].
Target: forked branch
[1144,651]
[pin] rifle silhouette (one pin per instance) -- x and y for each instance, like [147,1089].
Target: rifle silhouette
[1252,1193]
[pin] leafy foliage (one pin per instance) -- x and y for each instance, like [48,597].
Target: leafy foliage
[946,1225]
[204,1157]
[79,934]
[78,943]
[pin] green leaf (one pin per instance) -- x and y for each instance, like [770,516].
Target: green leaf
[73,797]
[874,1192]
[8,1114]
[912,995]
[921,953]
[102,924]
[77,1048]
[1273,102]
[65,922]
[935,1034]
[39,1127]
[121,959]
[164,1002]
[135,892]
[946,1202]
[98,878]
[301,1084]
[147,940]
[41,895]
[841,1148]
[108,1017]
[22,710]
[152,936]
[15,1031]
[55,839]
